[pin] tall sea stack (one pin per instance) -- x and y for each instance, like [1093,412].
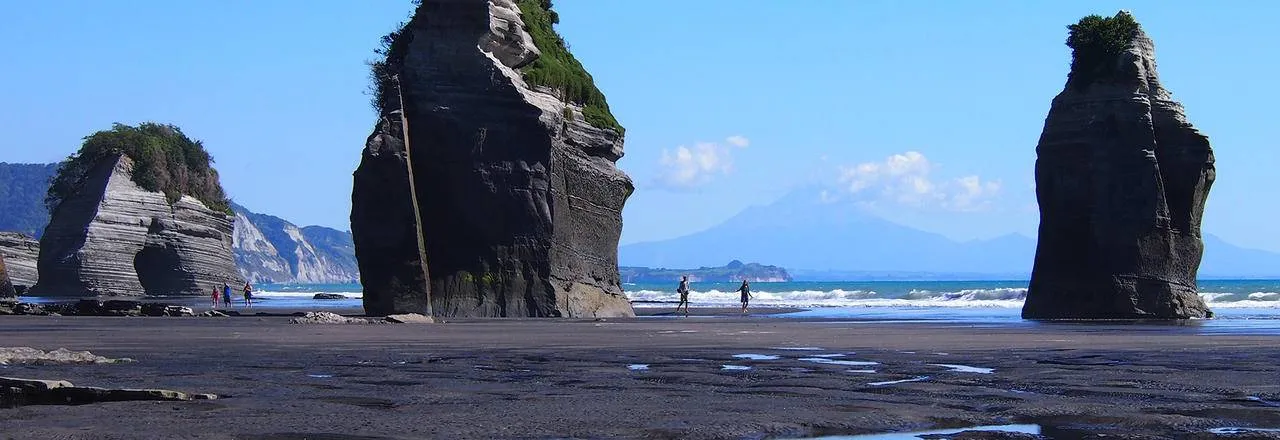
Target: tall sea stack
[1121,178]
[137,211]
[513,152]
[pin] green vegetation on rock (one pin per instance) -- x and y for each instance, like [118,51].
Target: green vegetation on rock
[164,160]
[558,69]
[1096,42]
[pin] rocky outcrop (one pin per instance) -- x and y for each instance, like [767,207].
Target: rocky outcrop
[520,198]
[16,391]
[1121,178]
[20,253]
[113,238]
[269,249]
[6,287]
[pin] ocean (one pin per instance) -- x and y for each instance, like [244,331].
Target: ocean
[888,295]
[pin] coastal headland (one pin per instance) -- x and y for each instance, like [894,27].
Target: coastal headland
[710,376]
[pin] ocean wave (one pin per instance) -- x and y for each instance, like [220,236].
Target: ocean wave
[1004,297]
[302,295]
[1265,296]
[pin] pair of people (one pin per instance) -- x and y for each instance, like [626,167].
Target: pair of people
[226,295]
[683,290]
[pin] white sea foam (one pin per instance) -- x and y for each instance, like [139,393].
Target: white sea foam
[1002,297]
[303,295]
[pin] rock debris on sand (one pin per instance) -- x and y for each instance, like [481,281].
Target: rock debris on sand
[15,391]
[329,318]
[28,355]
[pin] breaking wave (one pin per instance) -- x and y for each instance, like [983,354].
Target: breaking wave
[1004,297]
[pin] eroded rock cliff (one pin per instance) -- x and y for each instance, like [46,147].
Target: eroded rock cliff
[6,287]
[113,238]
[520,198]
[1121,178]
[20,253]
[269,249]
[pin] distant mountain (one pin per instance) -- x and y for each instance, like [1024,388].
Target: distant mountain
[734,271]
[270,249]
[819,241]
[800,231]
[22,190]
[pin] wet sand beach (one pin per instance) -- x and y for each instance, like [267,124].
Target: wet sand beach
[716,375]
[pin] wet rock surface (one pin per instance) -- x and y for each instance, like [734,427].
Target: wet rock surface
[545,379]
[28,355]
[113,238]
[18,392]
[521,200]
[1121,179]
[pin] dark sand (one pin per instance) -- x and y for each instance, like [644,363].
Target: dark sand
[472,378]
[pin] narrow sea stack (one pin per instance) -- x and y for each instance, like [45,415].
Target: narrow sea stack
[1121,178]
[137,211]
[513,153]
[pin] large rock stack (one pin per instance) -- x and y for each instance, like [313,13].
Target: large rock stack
[520,198]
[1121,178]
[114,238]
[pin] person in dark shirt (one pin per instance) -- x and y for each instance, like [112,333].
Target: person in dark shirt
[248,295]
[746,295]
[683,290]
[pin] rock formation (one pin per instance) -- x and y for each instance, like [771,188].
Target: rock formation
[6,287]
[269,249]
[1121,178]
[20,253]
[520,198]
[114,238]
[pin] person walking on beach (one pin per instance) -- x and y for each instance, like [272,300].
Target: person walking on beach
[248,295]
[226,294]
[746,295]
[683,290]
[215,297]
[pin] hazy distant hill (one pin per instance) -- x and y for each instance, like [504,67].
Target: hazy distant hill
[22,190]
[734,271]
[829,241]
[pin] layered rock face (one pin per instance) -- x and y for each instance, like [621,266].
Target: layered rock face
[20,253]
[520,198]
[271,250]
[1121,178]
[113,238]
[6,287]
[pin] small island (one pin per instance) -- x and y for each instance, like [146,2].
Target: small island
[734,271]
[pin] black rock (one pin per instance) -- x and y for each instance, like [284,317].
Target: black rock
[1121,178]
[328,296]
[520,198]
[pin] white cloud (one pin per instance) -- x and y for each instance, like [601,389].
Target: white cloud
[690,167]
[907,179]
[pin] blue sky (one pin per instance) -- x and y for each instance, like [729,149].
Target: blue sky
[929,109]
